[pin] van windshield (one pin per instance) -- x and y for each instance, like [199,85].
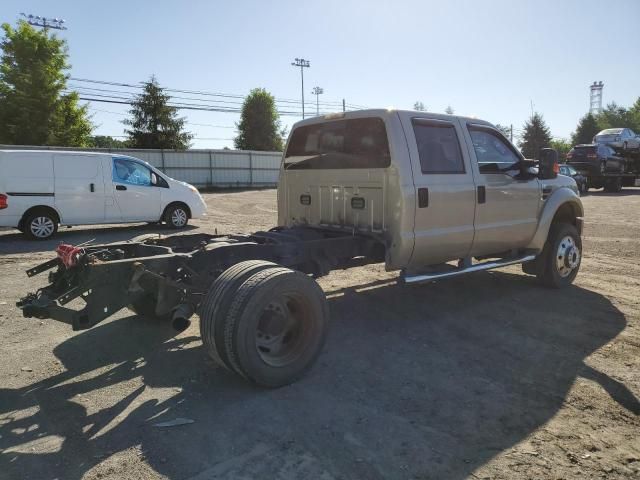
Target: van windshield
[339,144]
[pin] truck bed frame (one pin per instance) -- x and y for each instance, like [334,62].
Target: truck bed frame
[170,276]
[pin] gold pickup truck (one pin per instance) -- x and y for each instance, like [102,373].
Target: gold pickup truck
[431,196]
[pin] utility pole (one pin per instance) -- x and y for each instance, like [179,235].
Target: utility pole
[511,133]
[317,91]
[38,21]
[302,63]
[344,107]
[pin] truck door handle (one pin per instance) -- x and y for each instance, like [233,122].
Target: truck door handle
[423,197]
[120,187]
[482,194]
[92,187]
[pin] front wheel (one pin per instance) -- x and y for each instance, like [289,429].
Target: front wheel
[176,216]
[560,259]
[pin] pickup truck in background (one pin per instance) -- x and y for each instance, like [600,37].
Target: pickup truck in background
[432,196]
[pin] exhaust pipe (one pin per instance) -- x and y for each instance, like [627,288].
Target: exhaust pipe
[181,315]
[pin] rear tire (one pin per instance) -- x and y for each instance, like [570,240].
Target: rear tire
[274,327]
[40,225]
[613,185]
[559,262]
[176,216]
[216,304]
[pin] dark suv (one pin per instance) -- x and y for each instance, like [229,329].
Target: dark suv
[594,160]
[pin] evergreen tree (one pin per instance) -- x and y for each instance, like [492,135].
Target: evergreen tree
[449,110]
[585,131]
[154,123]
[419,106]
[259,127]
[536,135]
[613,116]
[33,110]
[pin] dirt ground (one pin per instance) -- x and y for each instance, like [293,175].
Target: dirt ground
[487,376]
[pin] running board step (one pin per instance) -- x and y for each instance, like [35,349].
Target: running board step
[478,267]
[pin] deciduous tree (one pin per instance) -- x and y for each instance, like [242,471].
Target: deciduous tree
[259,127]
[33,108]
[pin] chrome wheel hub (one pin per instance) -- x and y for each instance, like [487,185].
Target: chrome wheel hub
[567,256]
[42,227]
[179,217]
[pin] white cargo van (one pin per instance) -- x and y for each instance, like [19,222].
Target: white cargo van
[40,190]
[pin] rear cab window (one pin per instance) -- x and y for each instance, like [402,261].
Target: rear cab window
[438,146]
[339,144]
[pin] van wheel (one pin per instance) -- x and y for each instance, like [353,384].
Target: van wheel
[274,326]
[40,225]
[560,259]
[176,216]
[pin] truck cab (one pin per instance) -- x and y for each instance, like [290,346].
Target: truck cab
[434,188]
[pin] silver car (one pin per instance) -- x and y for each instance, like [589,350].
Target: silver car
[618,138]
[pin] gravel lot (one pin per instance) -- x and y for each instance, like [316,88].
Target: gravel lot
[484,376]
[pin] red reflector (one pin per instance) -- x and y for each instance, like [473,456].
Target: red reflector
[3,201]
[68,254]
[556,168]
[592,155]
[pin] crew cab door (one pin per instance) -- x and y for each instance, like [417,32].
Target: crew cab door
[445,192]
[134,193]
[508,203]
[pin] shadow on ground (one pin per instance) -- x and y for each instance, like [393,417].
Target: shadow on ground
[427,381]
[13,241]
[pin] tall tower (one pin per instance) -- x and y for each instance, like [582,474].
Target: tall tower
[595,106]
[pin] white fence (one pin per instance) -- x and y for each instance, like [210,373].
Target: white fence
[202,168]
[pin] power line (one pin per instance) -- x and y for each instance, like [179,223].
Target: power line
[188,122]
[195,92]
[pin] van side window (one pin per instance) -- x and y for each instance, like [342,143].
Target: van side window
[130,172]
[493,152]
[438,146]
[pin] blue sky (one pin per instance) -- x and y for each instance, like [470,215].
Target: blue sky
[489,59]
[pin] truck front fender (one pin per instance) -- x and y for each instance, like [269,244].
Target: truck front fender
[562,205]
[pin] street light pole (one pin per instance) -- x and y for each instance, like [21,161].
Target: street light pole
[302,63]
[38,21]
[317,91]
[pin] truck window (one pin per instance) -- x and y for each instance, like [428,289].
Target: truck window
[438,146]
[493,152]
[130,172]
[339,144]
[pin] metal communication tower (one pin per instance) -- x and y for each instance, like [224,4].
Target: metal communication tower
[595,105]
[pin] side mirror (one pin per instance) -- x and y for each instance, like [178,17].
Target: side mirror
[154,179]
[549,167]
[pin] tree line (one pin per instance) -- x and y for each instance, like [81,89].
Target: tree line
[37,108]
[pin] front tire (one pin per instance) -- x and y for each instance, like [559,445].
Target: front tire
[560,259]
[176,216]
[272,327]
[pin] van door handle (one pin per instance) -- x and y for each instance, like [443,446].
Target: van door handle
[423,197]
[482,194]
[92,187]
[120,187]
